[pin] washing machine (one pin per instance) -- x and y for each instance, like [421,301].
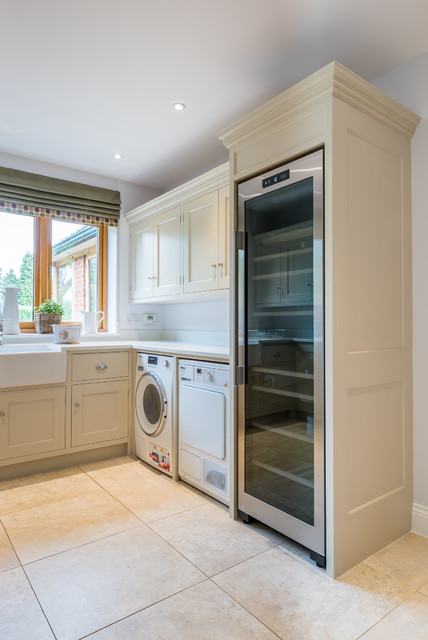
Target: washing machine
[153,410]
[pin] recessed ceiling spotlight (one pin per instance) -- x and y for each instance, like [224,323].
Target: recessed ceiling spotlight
[117,156]
[178,106]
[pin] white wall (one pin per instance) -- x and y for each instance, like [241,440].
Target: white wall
[132,196]
[408,84]
[198,322]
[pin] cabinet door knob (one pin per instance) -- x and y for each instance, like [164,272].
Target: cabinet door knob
[2,414]
[220,264]
[214,266]
[101,366]
[77,404]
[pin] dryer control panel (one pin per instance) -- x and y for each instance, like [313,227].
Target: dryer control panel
[199,375]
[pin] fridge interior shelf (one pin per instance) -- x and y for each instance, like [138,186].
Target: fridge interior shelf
[296,474]
[282,392]
[278,274]
[282,254]
[291,429]
[283,372]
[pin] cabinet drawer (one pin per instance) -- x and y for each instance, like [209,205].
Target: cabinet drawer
[100,365]
[276,353]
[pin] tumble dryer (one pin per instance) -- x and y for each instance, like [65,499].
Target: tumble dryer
[203,427]
[153,410]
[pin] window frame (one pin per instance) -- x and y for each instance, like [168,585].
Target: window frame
[42,270]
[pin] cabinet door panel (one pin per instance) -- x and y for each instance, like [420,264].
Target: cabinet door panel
[141,264]
[33,421]
[223,238]
[266,271]
[167,257]
[99,412]
[201,243]
[298,265]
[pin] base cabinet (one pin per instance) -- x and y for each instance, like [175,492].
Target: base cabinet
[32,421]
[99,402]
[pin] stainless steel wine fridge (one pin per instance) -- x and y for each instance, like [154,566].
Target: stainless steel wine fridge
[280,351]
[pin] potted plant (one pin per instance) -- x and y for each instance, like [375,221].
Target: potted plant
[47,314]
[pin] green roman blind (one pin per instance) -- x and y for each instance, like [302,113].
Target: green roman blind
[35,195]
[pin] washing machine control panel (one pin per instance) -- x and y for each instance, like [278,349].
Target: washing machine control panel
[153,363]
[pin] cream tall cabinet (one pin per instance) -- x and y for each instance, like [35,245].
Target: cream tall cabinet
[368,301]
[179,242]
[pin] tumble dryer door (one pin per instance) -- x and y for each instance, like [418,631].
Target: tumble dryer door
[150,404]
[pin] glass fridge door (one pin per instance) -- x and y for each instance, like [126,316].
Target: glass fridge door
[281,422]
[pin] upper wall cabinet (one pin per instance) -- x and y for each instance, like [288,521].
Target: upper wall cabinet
[155,256]
[179,242]
[206,242]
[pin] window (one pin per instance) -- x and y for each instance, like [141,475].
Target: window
[53,242]
[53,259]
[17,260]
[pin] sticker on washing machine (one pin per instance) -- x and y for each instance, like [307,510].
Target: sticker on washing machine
[160,457]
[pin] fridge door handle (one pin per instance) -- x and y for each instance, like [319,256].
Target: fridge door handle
[240,241]
[240,375]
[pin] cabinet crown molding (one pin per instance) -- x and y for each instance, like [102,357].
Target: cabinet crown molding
[209,181]
[333,80]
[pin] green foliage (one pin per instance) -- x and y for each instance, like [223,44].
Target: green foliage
[26,313]
[25,297]
[25,283]
[49,306]
[10,279]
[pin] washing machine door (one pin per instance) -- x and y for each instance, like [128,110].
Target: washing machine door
[150,404]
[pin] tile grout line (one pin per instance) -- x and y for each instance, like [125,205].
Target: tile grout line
[148,525]
[243,606]
[79,546]
[130,615]
[386,615]
[34,506]
[11,544]
[38,602]
[133,513]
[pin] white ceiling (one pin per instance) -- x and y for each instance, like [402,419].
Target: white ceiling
[82,79]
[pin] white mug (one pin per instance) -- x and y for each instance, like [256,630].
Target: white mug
[90,321]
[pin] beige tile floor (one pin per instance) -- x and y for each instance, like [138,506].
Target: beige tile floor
[117,551]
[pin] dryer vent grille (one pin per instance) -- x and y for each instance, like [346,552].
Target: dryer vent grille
[215,476]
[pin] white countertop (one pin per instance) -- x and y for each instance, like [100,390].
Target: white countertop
[156,346]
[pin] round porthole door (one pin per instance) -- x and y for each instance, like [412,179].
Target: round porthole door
[150,404]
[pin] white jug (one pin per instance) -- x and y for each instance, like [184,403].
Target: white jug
[10,311]
[90,321]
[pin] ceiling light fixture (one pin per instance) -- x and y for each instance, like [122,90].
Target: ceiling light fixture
[178,106]
[117,156]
